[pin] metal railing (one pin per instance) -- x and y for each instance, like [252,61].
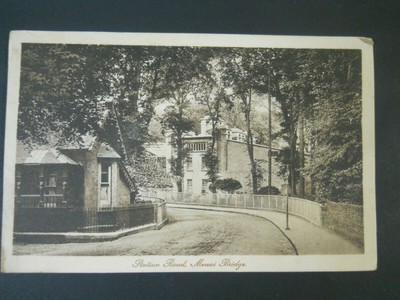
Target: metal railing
[306,209]
[32,214]
[116,218]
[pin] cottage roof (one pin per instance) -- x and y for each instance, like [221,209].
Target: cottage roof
[22,152]
[106,151]
[86,142]
[47,156]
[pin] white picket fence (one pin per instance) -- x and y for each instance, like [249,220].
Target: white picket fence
[306,209]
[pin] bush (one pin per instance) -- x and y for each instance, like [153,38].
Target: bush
[267,190]
[228,185]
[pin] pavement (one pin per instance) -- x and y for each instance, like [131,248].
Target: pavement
[305,236]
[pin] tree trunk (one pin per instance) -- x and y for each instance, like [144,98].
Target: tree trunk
[124,152]
[179,162]
[301,153]
[293,139]
[292,164]
[269,128]
[249,140]
[312,149]
[180,149]
[179,185]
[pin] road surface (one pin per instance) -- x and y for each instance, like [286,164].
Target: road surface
[189,232]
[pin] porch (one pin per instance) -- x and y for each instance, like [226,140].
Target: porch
[48,179]
[41,201]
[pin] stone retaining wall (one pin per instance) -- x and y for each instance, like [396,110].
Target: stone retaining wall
[344,219]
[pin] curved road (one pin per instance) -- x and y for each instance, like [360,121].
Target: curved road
[189,232]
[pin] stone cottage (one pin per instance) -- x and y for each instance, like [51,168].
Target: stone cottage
[88,176]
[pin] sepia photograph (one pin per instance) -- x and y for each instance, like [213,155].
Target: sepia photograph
[182,153]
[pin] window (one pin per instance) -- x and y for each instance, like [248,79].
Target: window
[274,153]
[204,186]
[105,173]
[189,164]
[52,182]
[30,181]
[105,184]
[189,187]
[50,174]
[198,146]
[203,163]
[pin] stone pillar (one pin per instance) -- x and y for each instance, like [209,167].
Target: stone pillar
[64,187]
[17,190]
[18,179]
[41,186]
[41,191]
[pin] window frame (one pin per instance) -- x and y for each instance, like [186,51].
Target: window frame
[189,185]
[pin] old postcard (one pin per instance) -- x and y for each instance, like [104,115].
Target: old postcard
[130,152]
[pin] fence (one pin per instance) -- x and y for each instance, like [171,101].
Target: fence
[62,219]
[343,218]
[303,208]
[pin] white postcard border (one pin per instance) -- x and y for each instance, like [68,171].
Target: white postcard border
[90,264]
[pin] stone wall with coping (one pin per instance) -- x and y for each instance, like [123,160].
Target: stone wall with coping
[344,219]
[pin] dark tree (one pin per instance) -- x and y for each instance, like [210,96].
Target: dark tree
[228,185]
[212,95]
[336,164]
[183,70]
[268,190]
[238,67]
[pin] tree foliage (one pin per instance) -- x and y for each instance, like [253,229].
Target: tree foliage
[111,92]
[268,190]
[336,165]
[149,172]
[319,96]
[212,95]
[319,92]
[65,90]
[176,125]
[228,185]
[184,69]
